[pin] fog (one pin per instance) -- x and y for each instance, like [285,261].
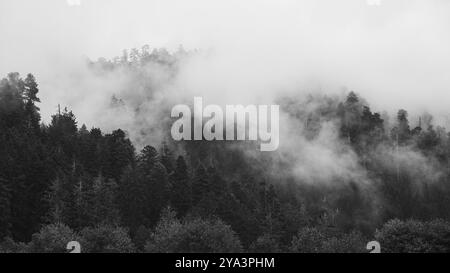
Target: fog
[396,55]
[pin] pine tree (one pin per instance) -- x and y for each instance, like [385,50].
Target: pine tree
[62,200]
[104,201]
[401,132]
[167,158]
[156,183]
[350,114]
[132,199]
[31,88]
[200,185]
[181,188]
[117,153]
[30,96]
[5,208]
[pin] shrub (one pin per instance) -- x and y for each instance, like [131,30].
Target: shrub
[265,244]
[9,246]
[313,240]
[308,240]
[106,239]
[52,238]
[347,243]
[414,236]
[193,236]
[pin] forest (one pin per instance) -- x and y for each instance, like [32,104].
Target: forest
[61,181]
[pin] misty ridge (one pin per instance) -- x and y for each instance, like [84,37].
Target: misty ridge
[342,175]
[327,126]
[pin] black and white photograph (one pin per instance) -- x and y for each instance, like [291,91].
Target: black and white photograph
[251,128]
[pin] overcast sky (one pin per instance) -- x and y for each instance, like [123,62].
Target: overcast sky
[396,54]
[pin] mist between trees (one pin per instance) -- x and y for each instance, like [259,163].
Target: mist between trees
[342,176]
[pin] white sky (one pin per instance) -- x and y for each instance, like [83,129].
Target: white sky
[396,54]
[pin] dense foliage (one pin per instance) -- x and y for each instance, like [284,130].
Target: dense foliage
[61,182]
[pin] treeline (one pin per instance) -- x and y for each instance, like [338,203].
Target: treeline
[61,182]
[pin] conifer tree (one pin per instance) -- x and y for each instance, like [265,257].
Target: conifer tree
[181,193]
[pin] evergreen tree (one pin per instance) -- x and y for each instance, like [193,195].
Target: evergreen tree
[350,113]
[5,209]
[132,199]
[181,193]
[401,132]
[200,185]
[116,154]
[156,183]
[104,204]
